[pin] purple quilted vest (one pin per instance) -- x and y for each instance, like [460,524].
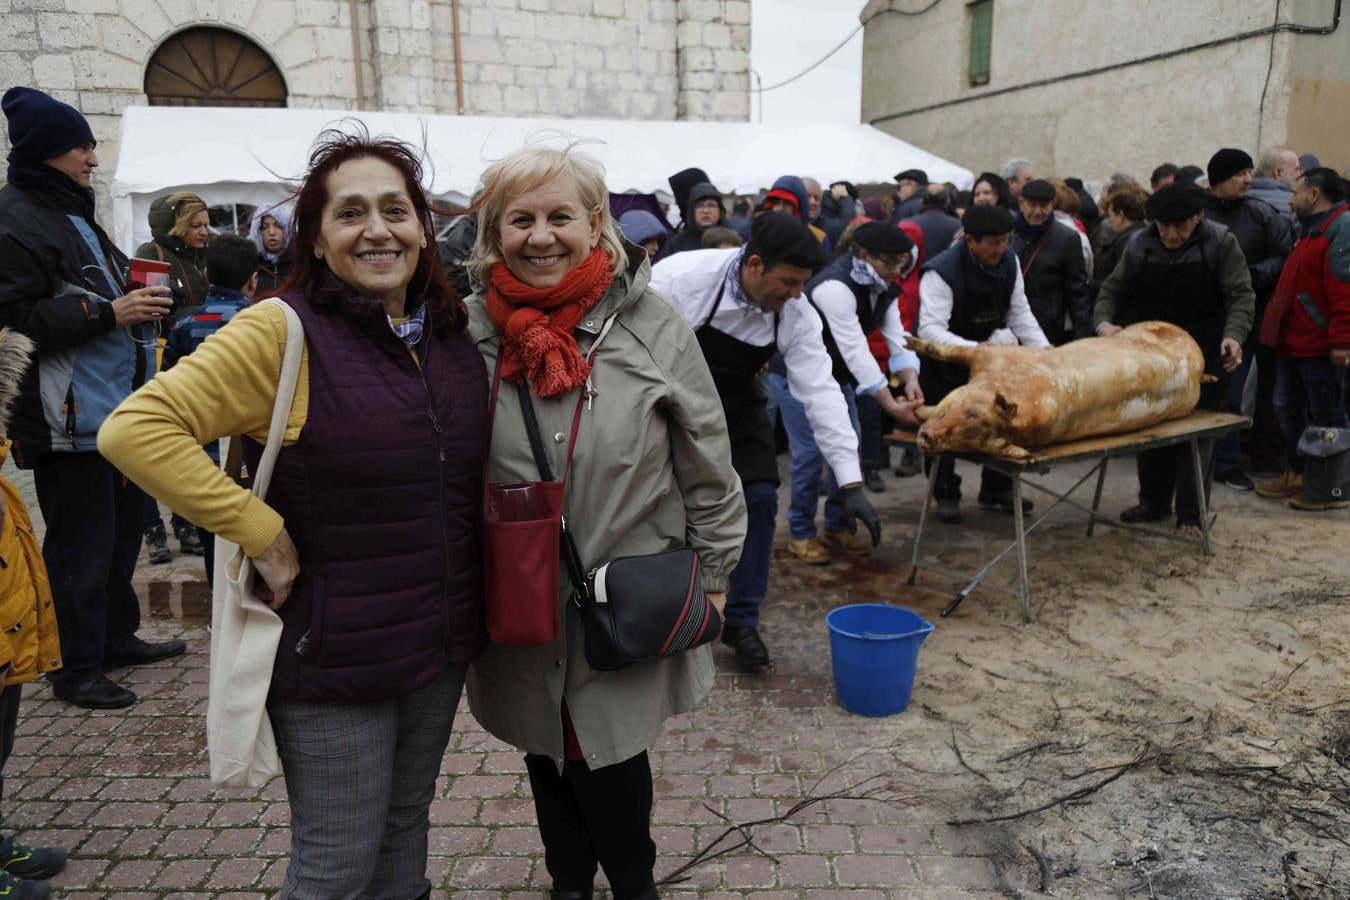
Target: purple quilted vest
[381,494]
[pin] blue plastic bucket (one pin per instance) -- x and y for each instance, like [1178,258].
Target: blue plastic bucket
[874,647]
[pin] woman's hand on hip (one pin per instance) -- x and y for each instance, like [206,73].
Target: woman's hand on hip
[719,600]
[277,568]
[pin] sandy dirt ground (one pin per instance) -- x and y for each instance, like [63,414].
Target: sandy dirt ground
[1184,720]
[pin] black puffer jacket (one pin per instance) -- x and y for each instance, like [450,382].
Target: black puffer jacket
[1263,234]
[1113,248]
[187,267]
[690,236]
[1056,281]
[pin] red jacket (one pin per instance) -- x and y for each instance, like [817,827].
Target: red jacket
[1318,270]
[909,296]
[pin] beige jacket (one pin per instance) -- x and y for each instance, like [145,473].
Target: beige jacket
[651,471]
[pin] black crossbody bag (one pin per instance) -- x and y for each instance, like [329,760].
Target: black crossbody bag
[634,608]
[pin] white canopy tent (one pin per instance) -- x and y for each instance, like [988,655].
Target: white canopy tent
[235,155]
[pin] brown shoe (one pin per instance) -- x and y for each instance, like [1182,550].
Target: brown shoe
[1287,485]
[1298,501]
[851,544]
[810,551]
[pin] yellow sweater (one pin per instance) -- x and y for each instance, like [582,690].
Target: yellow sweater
[227,386]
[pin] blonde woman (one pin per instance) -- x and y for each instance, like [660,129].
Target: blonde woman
[566,308]
[179,229]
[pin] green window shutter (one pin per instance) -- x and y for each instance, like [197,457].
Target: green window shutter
[981,36]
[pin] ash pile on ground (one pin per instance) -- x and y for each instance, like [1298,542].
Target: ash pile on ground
[1184,721]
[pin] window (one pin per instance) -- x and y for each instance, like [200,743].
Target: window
[212,67]
[981,14]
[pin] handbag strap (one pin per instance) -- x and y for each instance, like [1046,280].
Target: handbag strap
[281,408]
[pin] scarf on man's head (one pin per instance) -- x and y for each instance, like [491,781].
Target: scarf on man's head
[537,323]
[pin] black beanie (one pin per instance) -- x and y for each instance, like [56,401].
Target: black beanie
[1225,164]
[41,126]
[1175,202]
[781,238]
[983,221]
[879,237]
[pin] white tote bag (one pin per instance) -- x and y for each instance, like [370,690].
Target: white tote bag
[245,632]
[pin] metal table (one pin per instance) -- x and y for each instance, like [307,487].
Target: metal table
[1194,428]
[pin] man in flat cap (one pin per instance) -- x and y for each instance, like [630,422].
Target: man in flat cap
[853,295]
[1266,239]
[1190,272]
[909,186]
[63,284]
[744,305]
[973,293]
[1050,253]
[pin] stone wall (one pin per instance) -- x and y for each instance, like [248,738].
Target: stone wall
[1179,109]
[658,59]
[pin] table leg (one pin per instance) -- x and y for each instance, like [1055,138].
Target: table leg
[923,518]
[1021,548]
[1200,495]
[1097,495]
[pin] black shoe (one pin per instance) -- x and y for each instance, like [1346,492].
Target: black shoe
[1145,512]
[751,654]
[97,693]
[157,543]
[136,652]
[949,511]
[188,542]
[1002,501]
[556,894]
[1236,479]
[12,888]
[911,462]
[872,479]
[30,863]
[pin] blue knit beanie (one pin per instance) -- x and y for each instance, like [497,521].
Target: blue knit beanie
[41,126]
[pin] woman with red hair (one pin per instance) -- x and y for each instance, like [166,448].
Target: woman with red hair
[368,539]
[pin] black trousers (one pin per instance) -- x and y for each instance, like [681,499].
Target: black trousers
[9,723]
[948,486]
[1166,473]
[94,519]
[596,816]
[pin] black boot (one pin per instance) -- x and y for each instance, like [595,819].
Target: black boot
[1002,501]
[1145,512]
[949,510]
[872,479]
[751,654]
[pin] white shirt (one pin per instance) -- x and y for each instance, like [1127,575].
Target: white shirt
[691,281]
[935,314]
[840,308]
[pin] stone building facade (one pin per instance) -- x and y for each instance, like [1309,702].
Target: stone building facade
[1088,88]
[657,59]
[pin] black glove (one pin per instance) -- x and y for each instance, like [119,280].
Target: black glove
[856,506]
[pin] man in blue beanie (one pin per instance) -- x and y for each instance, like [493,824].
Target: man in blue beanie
[64,285]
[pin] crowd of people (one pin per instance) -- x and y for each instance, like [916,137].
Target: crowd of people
[663,350]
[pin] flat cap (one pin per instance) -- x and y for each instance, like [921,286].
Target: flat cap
[880,237]
[1175,202]
[1038,189]
[781,238]
[982,221]
[918,175]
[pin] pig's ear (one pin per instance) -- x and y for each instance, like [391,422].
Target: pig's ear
[1007,409]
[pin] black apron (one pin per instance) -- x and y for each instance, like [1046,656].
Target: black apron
[735,367]
[1185,291]
[979,308]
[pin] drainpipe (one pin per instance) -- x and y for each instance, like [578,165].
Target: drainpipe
[356,56]
[459,63]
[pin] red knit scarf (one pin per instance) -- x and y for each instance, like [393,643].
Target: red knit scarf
[537,323]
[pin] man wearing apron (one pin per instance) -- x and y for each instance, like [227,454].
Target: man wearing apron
[853,295]
[1191,272]
[744,305]
[972,293]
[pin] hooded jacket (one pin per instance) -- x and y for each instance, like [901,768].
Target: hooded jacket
[651,471]
[28,637]
[1274,192]
[273,268]
[797,188]
[187,267]
[681,183]
[690,236]
[55,290]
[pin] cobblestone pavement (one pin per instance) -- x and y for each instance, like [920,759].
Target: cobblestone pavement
[127,792]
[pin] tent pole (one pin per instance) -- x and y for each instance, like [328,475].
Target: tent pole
[357,65]
[459,64]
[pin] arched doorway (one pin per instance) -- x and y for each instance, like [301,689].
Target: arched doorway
[212,67]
